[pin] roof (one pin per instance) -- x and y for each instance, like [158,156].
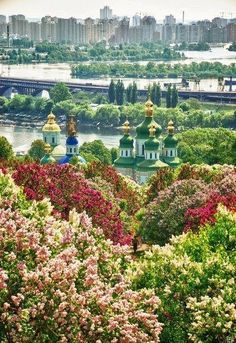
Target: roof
[126,141]
[47,159]
[151,165]
[72,140]
[142,130]
[66,159]
[170,141]
[59,150]
[51,125]
[152,143]
[172,161]
[125,162]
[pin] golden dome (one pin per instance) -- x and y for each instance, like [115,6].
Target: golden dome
[149,108]
[51,124]
[126,127]
[170,127]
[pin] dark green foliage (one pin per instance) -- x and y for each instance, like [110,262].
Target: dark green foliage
[60,92]
[210,146]
[174,97]
[168,97]
[37,150]
[155,94]
[112,92]
[120,90]
[98,150]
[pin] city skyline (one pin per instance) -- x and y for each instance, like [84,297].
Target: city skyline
[194,9]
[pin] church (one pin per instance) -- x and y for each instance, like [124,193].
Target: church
[54,151]
[142,157]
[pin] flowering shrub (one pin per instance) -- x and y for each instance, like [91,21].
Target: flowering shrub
[194,276]
[165,215]
[175,210]
[62,281]
[124,190]
[68,189]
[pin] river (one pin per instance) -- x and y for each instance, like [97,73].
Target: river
[61,71]
[21,138]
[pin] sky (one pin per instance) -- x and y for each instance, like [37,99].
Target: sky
[194,9]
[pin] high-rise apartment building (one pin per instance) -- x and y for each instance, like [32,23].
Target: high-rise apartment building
[19,26]
[169,20]
[35,31]
[106,13]
[3,19]
[49,29]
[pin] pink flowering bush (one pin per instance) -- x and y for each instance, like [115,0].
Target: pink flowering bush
[165,215]
[189,199]
[62,281]
[67,188]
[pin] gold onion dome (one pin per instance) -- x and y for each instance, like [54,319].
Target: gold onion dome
[152,143]
[47,159]
[170,141]
[126,127]
[126,141]
[51,124]
[170,127]
[142,129]
[149,108]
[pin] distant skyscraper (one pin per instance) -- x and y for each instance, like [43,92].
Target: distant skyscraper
[106,13]
[169,20]
[136,20]
[3,19]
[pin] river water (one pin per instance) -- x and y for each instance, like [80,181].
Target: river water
[61,71]
[21,138]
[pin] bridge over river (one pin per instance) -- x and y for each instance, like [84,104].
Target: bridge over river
[34,87]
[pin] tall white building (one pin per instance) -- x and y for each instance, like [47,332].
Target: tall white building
[106,13]
[169,20]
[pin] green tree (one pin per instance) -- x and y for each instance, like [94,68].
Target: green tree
[120,89]
[107,115]
[48,106]
[174,97]
[98,150]
[134,93]
[168,97]
[37,149]
[112,92]
[129,93]
[60,92]
[6,151]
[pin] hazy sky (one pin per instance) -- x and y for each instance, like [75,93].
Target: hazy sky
[194,9]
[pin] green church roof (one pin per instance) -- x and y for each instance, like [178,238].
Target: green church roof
[170,141]
[142,130]
[151,165]
[126,141]
[172,161]
[151,144]
[47,159]
[124,162]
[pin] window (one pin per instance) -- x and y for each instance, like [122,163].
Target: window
[151,155]
[171,153]
[126,153]
[53,140]
[155,155]
[142,149]
[70,150]
[121,152]
[45,139]
[166,153]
